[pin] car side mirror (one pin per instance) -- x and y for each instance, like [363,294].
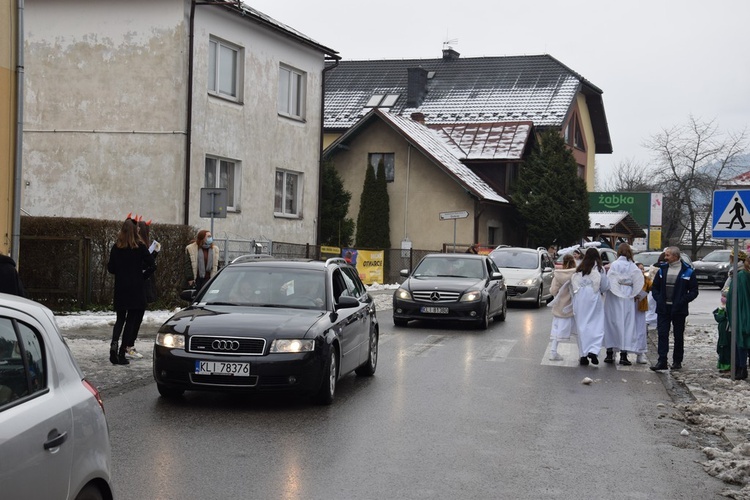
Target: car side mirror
[404,273]
[346,302]
[188,295]
[547,270]
[496,276]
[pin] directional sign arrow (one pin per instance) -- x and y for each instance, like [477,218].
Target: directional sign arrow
[454,215]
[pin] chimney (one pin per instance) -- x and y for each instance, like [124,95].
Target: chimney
[450,55]
[416,87]
[418,117]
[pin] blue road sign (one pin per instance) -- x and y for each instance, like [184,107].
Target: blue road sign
[730,215]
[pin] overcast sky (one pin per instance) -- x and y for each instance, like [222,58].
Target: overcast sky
[657,61]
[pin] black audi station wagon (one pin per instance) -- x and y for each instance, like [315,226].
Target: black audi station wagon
[263,325]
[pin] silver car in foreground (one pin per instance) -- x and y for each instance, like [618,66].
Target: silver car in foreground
[54,439]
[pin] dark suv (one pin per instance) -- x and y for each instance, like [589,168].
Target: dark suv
[266,324]
[713,269]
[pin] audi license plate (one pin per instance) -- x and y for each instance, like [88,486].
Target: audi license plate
[433,310]
[222,368]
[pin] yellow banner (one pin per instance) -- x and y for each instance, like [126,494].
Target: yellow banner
[654,238]
[370,266]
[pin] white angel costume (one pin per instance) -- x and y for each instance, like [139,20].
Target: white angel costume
[588,310]
[625,283]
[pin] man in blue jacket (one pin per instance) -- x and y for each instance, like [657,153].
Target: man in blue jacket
[674,287]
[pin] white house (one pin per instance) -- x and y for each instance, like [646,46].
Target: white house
[134,106]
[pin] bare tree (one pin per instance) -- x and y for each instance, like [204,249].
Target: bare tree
[692,161]
[628,176]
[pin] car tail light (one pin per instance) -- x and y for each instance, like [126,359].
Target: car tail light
[95,392]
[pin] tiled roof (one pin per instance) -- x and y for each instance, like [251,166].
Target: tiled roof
[538,89]
[741,180]
[486,141]
[432,145]
[257,16]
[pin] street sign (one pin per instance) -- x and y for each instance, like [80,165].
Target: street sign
[730,218]
[454,215]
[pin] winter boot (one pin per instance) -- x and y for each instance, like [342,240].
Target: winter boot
[121,359]
[624,359]
[610,356]
[113,353]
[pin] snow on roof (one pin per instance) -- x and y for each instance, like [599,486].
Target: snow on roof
[433,145]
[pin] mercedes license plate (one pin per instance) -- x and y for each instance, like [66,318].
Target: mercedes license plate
[434,310]
[222,368]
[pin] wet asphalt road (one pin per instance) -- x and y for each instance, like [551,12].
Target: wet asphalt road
[451,413]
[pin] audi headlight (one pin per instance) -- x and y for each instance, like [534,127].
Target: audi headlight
[171,340]
[292,345]
[403,294]
[471,296]
[529,282]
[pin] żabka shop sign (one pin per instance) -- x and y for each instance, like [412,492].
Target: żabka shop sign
[637,204]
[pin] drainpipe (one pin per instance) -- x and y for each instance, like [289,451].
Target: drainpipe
[189,121]
[16,231]
[406,197]
[320,147]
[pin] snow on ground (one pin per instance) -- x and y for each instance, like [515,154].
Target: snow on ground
[716,404]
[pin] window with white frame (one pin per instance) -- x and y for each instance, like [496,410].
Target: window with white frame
[388,160]
[222,173]
[288,193]
[224,69]
[291,92]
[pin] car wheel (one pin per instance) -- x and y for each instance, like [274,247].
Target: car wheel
[327,389]
[484,322]
[367,369]
[169,392]
[90,492]
[400,322]
[539,298]
[503,311]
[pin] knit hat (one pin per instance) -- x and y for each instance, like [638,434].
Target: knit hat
[742,255]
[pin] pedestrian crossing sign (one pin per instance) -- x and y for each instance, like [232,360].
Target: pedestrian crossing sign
[730,215]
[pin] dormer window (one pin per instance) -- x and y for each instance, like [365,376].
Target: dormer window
[382,101]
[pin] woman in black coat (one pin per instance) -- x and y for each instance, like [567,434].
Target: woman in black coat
[9,280]
[131,263]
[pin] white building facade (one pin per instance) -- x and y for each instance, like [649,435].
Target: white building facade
[148,101]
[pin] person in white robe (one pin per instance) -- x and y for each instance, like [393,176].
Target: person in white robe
[562,306]
[587,286]
[641,308]
[625,284]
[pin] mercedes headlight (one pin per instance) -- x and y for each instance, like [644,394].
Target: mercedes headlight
[471,296]
[403,294]
[292,345]
[171,340]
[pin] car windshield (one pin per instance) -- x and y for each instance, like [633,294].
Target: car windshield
[267,287]
[515,259]
[447,266]
[647,258]
[717,256]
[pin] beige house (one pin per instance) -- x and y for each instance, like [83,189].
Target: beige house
[452,133]
[429,188]
[146,102]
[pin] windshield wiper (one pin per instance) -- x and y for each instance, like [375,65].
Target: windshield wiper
[218,303]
